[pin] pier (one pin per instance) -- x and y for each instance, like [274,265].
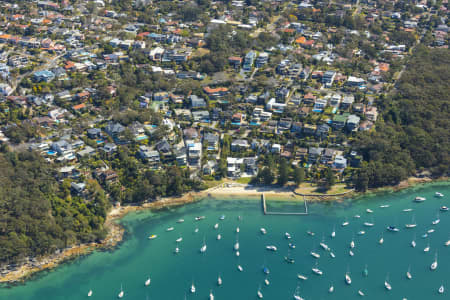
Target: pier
[264,205]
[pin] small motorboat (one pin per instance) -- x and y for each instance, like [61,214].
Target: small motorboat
[369,211]
[179,239]
[348,280]
[361,293]
[387,285]
[393,229]
[408,273]
[121,293]
[266,271]
[271,248]
[424,235]
[216,226]
[331,289]
[237,253]
[413,244]
[361,232]
[366,271]
[240,268]
[434,265]
[177,250]
[211,295]
[410,225]
[192,288]
[368,224]
[222,217]
[324,246]
[237,229]
[259,294]
[180,221]
[351,253]
[420,199]
[200,218]
[309,232]
[441,289]
[152,237]
[345,223]
[287,236]
[302,277]
[333,233]
[196,230]
[291,245]
[317,271]
[315,255]
[352,244]
[289,260]
[408,209]
[384,206]
[356,216]
[263,230]
[444,208]
[219,237]
[266,281]
[170,229]
[427,248]
[332,255]
[219,280]
[439,195]
[147,282]
[430,230]
[447,243]
[89,293]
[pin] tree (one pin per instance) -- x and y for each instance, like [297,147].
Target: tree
[299,175]
[283,174]
[329,179]
[266,176]
[361,181]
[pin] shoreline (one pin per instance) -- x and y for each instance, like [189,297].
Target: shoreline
[228,190]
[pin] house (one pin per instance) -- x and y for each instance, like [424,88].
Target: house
[353,122]
[234,166]
[194,153]
[285,123]
[190,134]
[309,129]
[328,156]
[77,188]
[197,102]
[44,75]
[235,61]
[114,129]
[301,154]
[181,157]
[109,148]
[62,147]
[328,78]
[215,92]
[5,89]
[262,59]
[276,148]
[201,116]
[323,131]
[163,147]
[151,156]
[356,82]
[347,101]
[239,145]
[156,54]
[320,104]
[94,133]
[251,166]
[248,61]
[87,151]
[340,162]
[372,113]
[210,167]
[314,154]
[212,141]
[339,121]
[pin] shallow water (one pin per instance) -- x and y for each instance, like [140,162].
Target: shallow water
[172,274]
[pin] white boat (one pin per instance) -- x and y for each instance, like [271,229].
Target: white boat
[263,230]
[211,295]
[89,293]
[259,294]
[317,271]
[413,244]
[434,265]
[203,248]
[287,235]
[352,244]
[387,285]
[381,241]
[333,233]
[361,293]
[410,225]
[437,194]
[324,246]
[420,199]
[237,253]
[356,216]
[332,255]
[393,229]
[196,230]
[147,282]
[266,281]
[152,237]
[348,280]
[384,206]
[435,222]
[309,232]
[361,232]
[444,208]
[408,273]
[237,229]
[219,237]
[345,223]
[240,268]
[170,229]
[297,294]
[200,218]
[177,250]
[222,217]
[408,209]
[180,221]
[219,280]
[271,248]
[430,230]
[179,239]
[368,224]
[441,289]
[121,293]
[369,211]
[447,243]
[236,246]
[192,288]
[216,226]
[302,277]
[351,253]
[314,254]
[427,248]
[331,289]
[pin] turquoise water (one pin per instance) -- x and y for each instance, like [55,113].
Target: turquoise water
[172,274]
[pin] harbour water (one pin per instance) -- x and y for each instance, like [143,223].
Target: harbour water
[171,274]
